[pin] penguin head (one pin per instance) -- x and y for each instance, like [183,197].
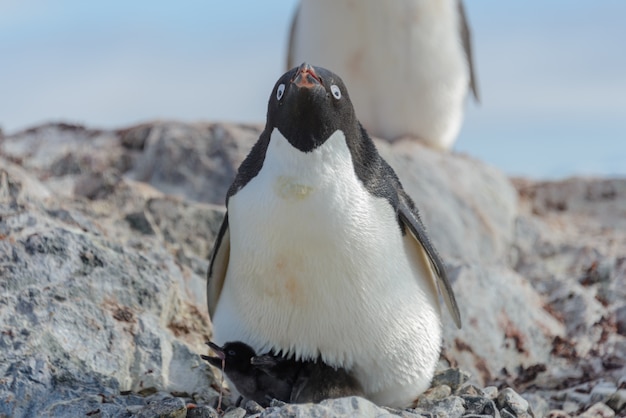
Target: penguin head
[308,104]
[235,355]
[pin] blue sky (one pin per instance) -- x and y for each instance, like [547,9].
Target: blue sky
[552,75]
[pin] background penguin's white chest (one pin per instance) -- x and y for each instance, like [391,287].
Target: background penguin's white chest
[318,266]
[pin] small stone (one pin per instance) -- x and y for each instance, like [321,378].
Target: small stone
[598,410]
[479,405]
[470,390]
[166,408]
[452,406]
[392,411]
[491,392]
[139,222]
[276,402]
[505,413]
[202,412]
[617,401]
[451,377]
[510,400]
[435,393]
[401,413]
[234,412]
[479,416]
[602,391]
[252,407]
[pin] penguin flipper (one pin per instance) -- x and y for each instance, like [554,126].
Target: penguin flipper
[467,47]
[219,264]
[410,219]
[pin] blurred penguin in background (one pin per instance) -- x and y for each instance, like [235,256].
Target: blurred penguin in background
[407,63]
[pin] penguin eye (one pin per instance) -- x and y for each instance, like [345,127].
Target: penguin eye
[233,353]
[280,91]
[335,91]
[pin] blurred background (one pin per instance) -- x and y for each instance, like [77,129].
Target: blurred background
[552,75]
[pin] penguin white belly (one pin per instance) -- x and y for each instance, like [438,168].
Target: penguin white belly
[318,266]
[402,60]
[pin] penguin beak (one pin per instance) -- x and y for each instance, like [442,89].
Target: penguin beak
[217,349]
[306,77]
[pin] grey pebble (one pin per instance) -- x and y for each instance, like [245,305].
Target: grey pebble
[202,412]
[479,405]
[165,408]
[234,412]
[452,406]
[511,401]
[598,410]
[452,377]
[617,401]
[471,390]
[252,407]
[491,392]
[602,391]
[505,413]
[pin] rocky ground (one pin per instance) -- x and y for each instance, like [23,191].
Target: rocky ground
[104,239]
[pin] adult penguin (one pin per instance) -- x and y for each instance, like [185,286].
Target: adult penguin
[323,254]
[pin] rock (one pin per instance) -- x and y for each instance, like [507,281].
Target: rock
[491,392]
[512,402]
[514,332]
[342,407]
[179,159]
[452,406]
[598,410]
[234,413]
[617,401]
[252,407]
[83,312]
[602,391]
[435,393]
[104,244]
[470,390]
[453,378]
[167,408]
[479,405]
[477,206]
[202,412]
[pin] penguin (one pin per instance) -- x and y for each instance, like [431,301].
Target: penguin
[408,63]
[314,382]
[253,382]
[322,254]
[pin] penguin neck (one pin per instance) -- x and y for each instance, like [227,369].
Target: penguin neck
[331,157]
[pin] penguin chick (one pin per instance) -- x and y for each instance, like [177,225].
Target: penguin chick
[315,380]
[251,381]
